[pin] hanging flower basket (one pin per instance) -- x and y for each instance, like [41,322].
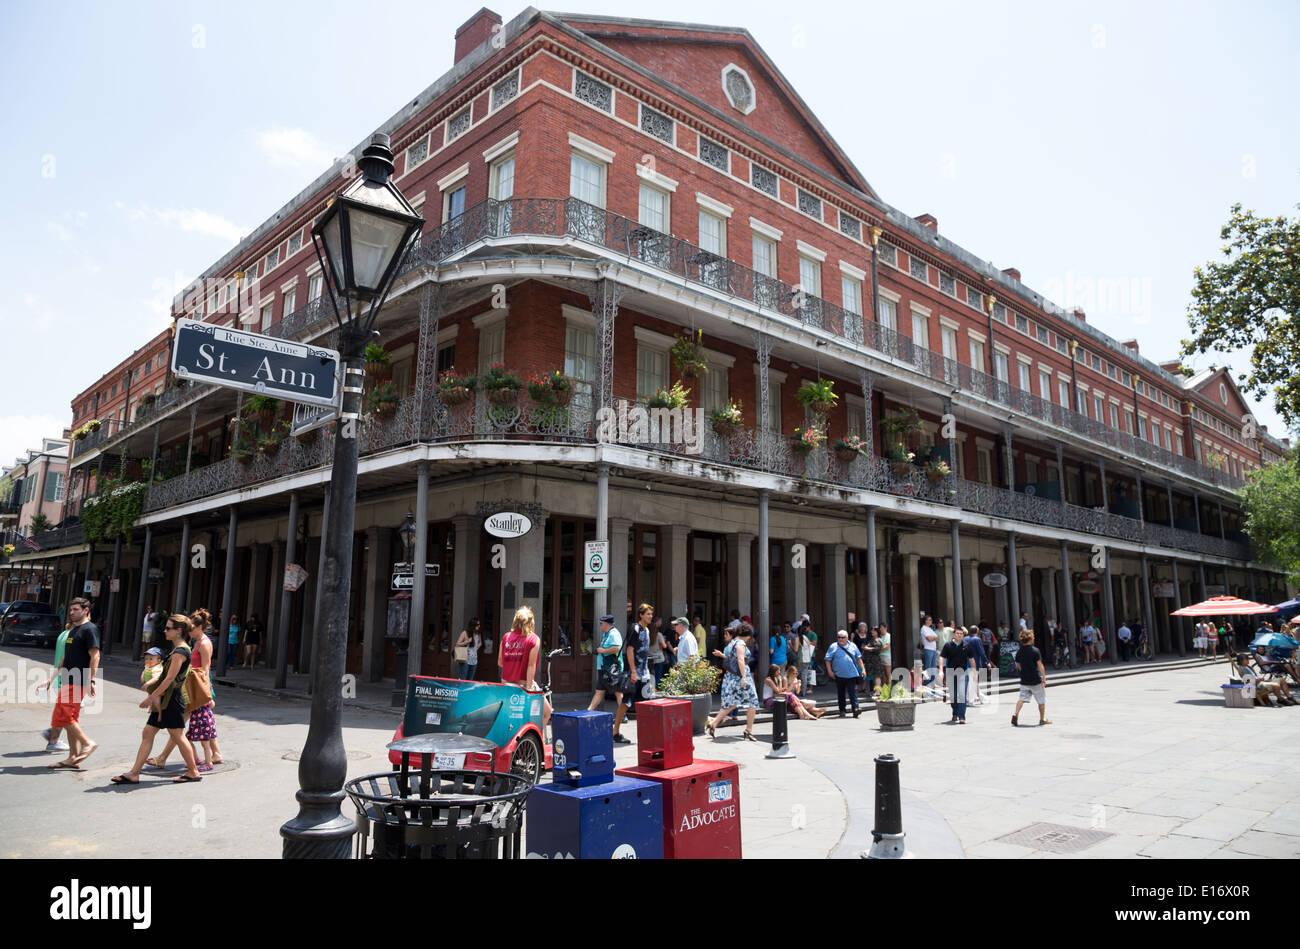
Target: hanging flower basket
[821,408]
[726,429]
[379,371]
[847,455]
[385,409]
[900,469]
[689,371]
[934,475]
[244,458]
[503,396]
[563,396]
[456,395]
[802,448]
[269,448]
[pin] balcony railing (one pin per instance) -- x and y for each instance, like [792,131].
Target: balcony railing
[568,217]
[481,421]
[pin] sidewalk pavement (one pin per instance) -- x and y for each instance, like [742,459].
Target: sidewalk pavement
[1144,760]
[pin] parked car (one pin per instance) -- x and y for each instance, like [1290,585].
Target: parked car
[25,606]
[40,629]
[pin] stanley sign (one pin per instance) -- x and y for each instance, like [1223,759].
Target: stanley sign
[255,363]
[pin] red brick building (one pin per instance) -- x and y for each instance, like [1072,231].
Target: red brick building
[595,190]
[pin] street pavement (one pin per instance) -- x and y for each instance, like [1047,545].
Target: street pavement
[1150,765]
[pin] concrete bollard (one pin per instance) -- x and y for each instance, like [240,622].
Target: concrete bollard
[780,736]
[888,840]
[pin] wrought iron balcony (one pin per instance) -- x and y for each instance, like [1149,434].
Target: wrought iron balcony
[526,218]
[428,420]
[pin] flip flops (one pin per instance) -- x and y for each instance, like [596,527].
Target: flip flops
[123,779]
[87,753]
[64,766]
[184,779]
[153,763]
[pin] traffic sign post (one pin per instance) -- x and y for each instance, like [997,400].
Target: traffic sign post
[595,574]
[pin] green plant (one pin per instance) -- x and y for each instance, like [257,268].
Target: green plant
[7,550]
[729,414]
[808,437]
[897,425]
[383,398]
[111,512]
[259,404]
[938,467]
[901,455]
[39,524]
[688,354]
[673,398]
[692,677]
[451,379]
[850,443]
[376,354]
[819,395]
[498,377]
[550,388]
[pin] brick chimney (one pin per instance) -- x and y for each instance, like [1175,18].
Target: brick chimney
[929,221]
[1172,365]
[1131,344]
[474,32]
[1012,272]
[1080,315]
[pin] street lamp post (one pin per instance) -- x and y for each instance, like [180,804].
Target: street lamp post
[359,242]
[407,534]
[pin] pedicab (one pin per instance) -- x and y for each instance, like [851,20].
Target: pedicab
[508,717]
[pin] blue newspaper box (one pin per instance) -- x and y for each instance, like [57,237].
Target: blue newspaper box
[582,753]
[619,819]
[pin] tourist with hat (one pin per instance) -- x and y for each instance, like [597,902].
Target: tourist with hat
[610,671]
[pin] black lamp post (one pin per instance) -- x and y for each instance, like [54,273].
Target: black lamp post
[359,241]
[407,533]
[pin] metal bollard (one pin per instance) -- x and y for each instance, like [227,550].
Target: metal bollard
[888,839]
[780,737]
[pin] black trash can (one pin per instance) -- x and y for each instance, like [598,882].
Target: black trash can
[443,815]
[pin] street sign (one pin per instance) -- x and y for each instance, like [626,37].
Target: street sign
[408,569]
[995,580]
[595,572]
[240,360]
[403,581]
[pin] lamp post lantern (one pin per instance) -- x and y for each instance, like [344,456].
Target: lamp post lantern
[359,242]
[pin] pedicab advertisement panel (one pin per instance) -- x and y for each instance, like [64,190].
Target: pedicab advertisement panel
[499,713]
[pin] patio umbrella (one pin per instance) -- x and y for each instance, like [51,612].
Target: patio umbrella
[1288,608]
[1274,640]
[1224,606]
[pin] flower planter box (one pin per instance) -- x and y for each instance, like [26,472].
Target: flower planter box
[456,395]
[503,396]
[897,715]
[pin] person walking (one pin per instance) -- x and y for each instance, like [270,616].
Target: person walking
[980,660]
[610,674]
[232,641]
[53,741]
[1033,678]
[656,651]
[806,636]
[886,653]
[872,674]
[468,643]
[252,640]
[929,649]
[518,657]
[76,676]
[687,647]
[955,661]
[844,666]
[147,628]
[166,704]
[636,661]
[738,690]
[1088,633]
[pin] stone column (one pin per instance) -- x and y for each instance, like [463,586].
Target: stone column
[970,588]
[912,590]
[601,597]
[1067,596]
[379,566]
[1013,586]
[257,571]
[273,579]
[1010,458]
[465,570]
[420,586]
[228,590]
[1027,596]
[138,630]
[1141,505]
[311,603]
[618,587]
[1101,476]
[677,538]
[959,607]
[948,605]
[525,559]
[833,572]
[182,568]
[286,599]
[1149,613]
[873,572]
[1108,599]
[321,553]
[1051,601]
[739,582]
[1177,628]
[763,609]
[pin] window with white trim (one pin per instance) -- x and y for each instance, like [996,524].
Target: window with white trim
[948,341]
[1099,407]
[810,276]
[295,242]
[1000,368]
[1114,415]
[713,233]
[984,462]
[920,330]
[268,312]
[774,405]
[888,314]
[290,302]
[586,180]
[315,286]
[580,357]
[651,371]
[1025,385]
[1045,384]
[851,294]
[977,354]
[453,202]
[1081,402]
[491,345]
[652,208]
[764,256]
[715,392]
[501,180]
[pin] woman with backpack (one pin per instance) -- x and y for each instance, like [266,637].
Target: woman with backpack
[166,704]
[737,682]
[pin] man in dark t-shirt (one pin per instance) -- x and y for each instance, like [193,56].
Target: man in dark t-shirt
[1033,678]
[78,669]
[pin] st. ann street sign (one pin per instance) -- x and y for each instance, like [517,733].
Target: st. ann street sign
[254,363]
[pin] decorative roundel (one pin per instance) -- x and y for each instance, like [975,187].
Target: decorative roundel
[1223,393]
[738,88]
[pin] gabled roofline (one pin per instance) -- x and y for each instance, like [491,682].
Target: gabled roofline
[730,32]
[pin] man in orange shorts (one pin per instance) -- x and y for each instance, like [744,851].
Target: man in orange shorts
[80,664]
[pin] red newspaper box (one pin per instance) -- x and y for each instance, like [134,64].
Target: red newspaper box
[701,809]
[663,733]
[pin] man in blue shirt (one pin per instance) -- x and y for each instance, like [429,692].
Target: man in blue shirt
[844,665]
[973,642]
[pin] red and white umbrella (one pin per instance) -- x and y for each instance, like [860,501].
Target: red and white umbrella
[1224,606]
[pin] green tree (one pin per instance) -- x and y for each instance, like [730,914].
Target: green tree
[40,524]
[1271,498]
[1251,298]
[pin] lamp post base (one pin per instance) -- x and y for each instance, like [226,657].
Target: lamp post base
[320,831]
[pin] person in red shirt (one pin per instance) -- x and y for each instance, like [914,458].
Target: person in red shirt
[517,658]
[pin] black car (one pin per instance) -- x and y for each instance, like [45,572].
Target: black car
[25,606]
[41,629]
